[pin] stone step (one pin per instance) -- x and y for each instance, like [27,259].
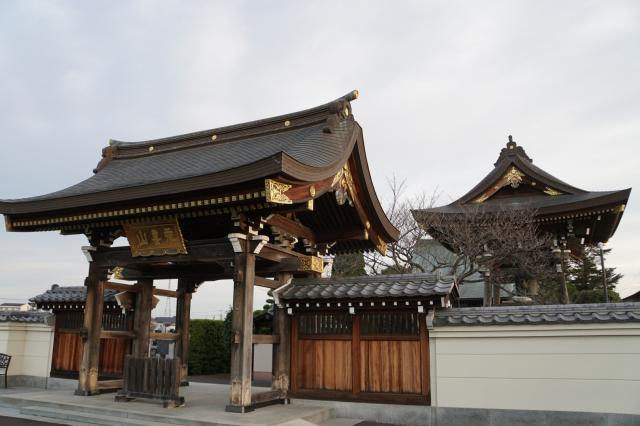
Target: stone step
[85,418]
[340,421]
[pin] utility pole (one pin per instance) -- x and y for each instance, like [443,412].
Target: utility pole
[604,273]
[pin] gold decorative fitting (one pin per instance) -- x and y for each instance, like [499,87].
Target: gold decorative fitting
[116,273]
[150,148]
[214,137]
[551,191]
[367,225]
[275,192]
[343,185]
[155,238]
[355,94]
[346,111]
[482,198]
[310,264]
[381,246]
[514,177]
[312,191]
[287,123]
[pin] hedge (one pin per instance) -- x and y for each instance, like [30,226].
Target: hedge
[208,353]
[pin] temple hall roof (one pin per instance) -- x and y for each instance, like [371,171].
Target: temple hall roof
[516,183]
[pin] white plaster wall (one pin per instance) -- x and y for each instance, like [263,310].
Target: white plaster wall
[262,355]
[587,367]
[30,345]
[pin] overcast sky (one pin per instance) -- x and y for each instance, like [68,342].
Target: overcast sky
[442,84]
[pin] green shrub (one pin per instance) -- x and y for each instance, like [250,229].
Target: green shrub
[208,353]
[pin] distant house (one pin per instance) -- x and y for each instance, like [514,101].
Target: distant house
[5,307]
[435,258]
[635,297]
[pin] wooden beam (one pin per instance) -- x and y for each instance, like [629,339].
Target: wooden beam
[120,287]
[265,339]
[344,233]
[110,384]
[164,336]
[264,282]
[206,251]
[266,396]
[291,227]
[190,271]
[276,253]
[164,292]
[117,334]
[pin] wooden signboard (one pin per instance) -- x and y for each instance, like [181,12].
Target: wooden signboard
[155,238]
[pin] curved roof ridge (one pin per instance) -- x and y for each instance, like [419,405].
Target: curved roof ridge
[326,108]
[515,155]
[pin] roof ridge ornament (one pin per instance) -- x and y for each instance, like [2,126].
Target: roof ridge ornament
[340,109]
[512,150]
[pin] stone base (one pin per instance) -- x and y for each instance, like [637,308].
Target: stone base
[238,409]
[80,392]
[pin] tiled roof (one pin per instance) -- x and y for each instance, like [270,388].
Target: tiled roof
[365,287]
[539,314]
[310,146]
[26,316]
[74,294]
[317,138]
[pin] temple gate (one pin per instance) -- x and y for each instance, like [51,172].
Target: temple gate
[259,203]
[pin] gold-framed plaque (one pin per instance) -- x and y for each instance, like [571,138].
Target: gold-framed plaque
[158,238]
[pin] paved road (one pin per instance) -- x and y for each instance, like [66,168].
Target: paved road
[13,421]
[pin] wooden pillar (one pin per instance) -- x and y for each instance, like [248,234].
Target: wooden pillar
[142,318]
[183,316]
[92,327]
[242,329]
[425,362]
[281,368]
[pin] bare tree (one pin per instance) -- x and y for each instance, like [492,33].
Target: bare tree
[505,245]
[401,255]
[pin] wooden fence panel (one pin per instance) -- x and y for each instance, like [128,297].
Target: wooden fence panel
[67,352]
[390,366]
[373,355]
[325,364]
[152,378]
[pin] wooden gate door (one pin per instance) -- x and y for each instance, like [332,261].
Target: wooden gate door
[371,356]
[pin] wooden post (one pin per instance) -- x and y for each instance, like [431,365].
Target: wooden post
[183,316]
[356,361]
[142,318]
[92,327]
[242,329]
[281,369]
[425,362]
